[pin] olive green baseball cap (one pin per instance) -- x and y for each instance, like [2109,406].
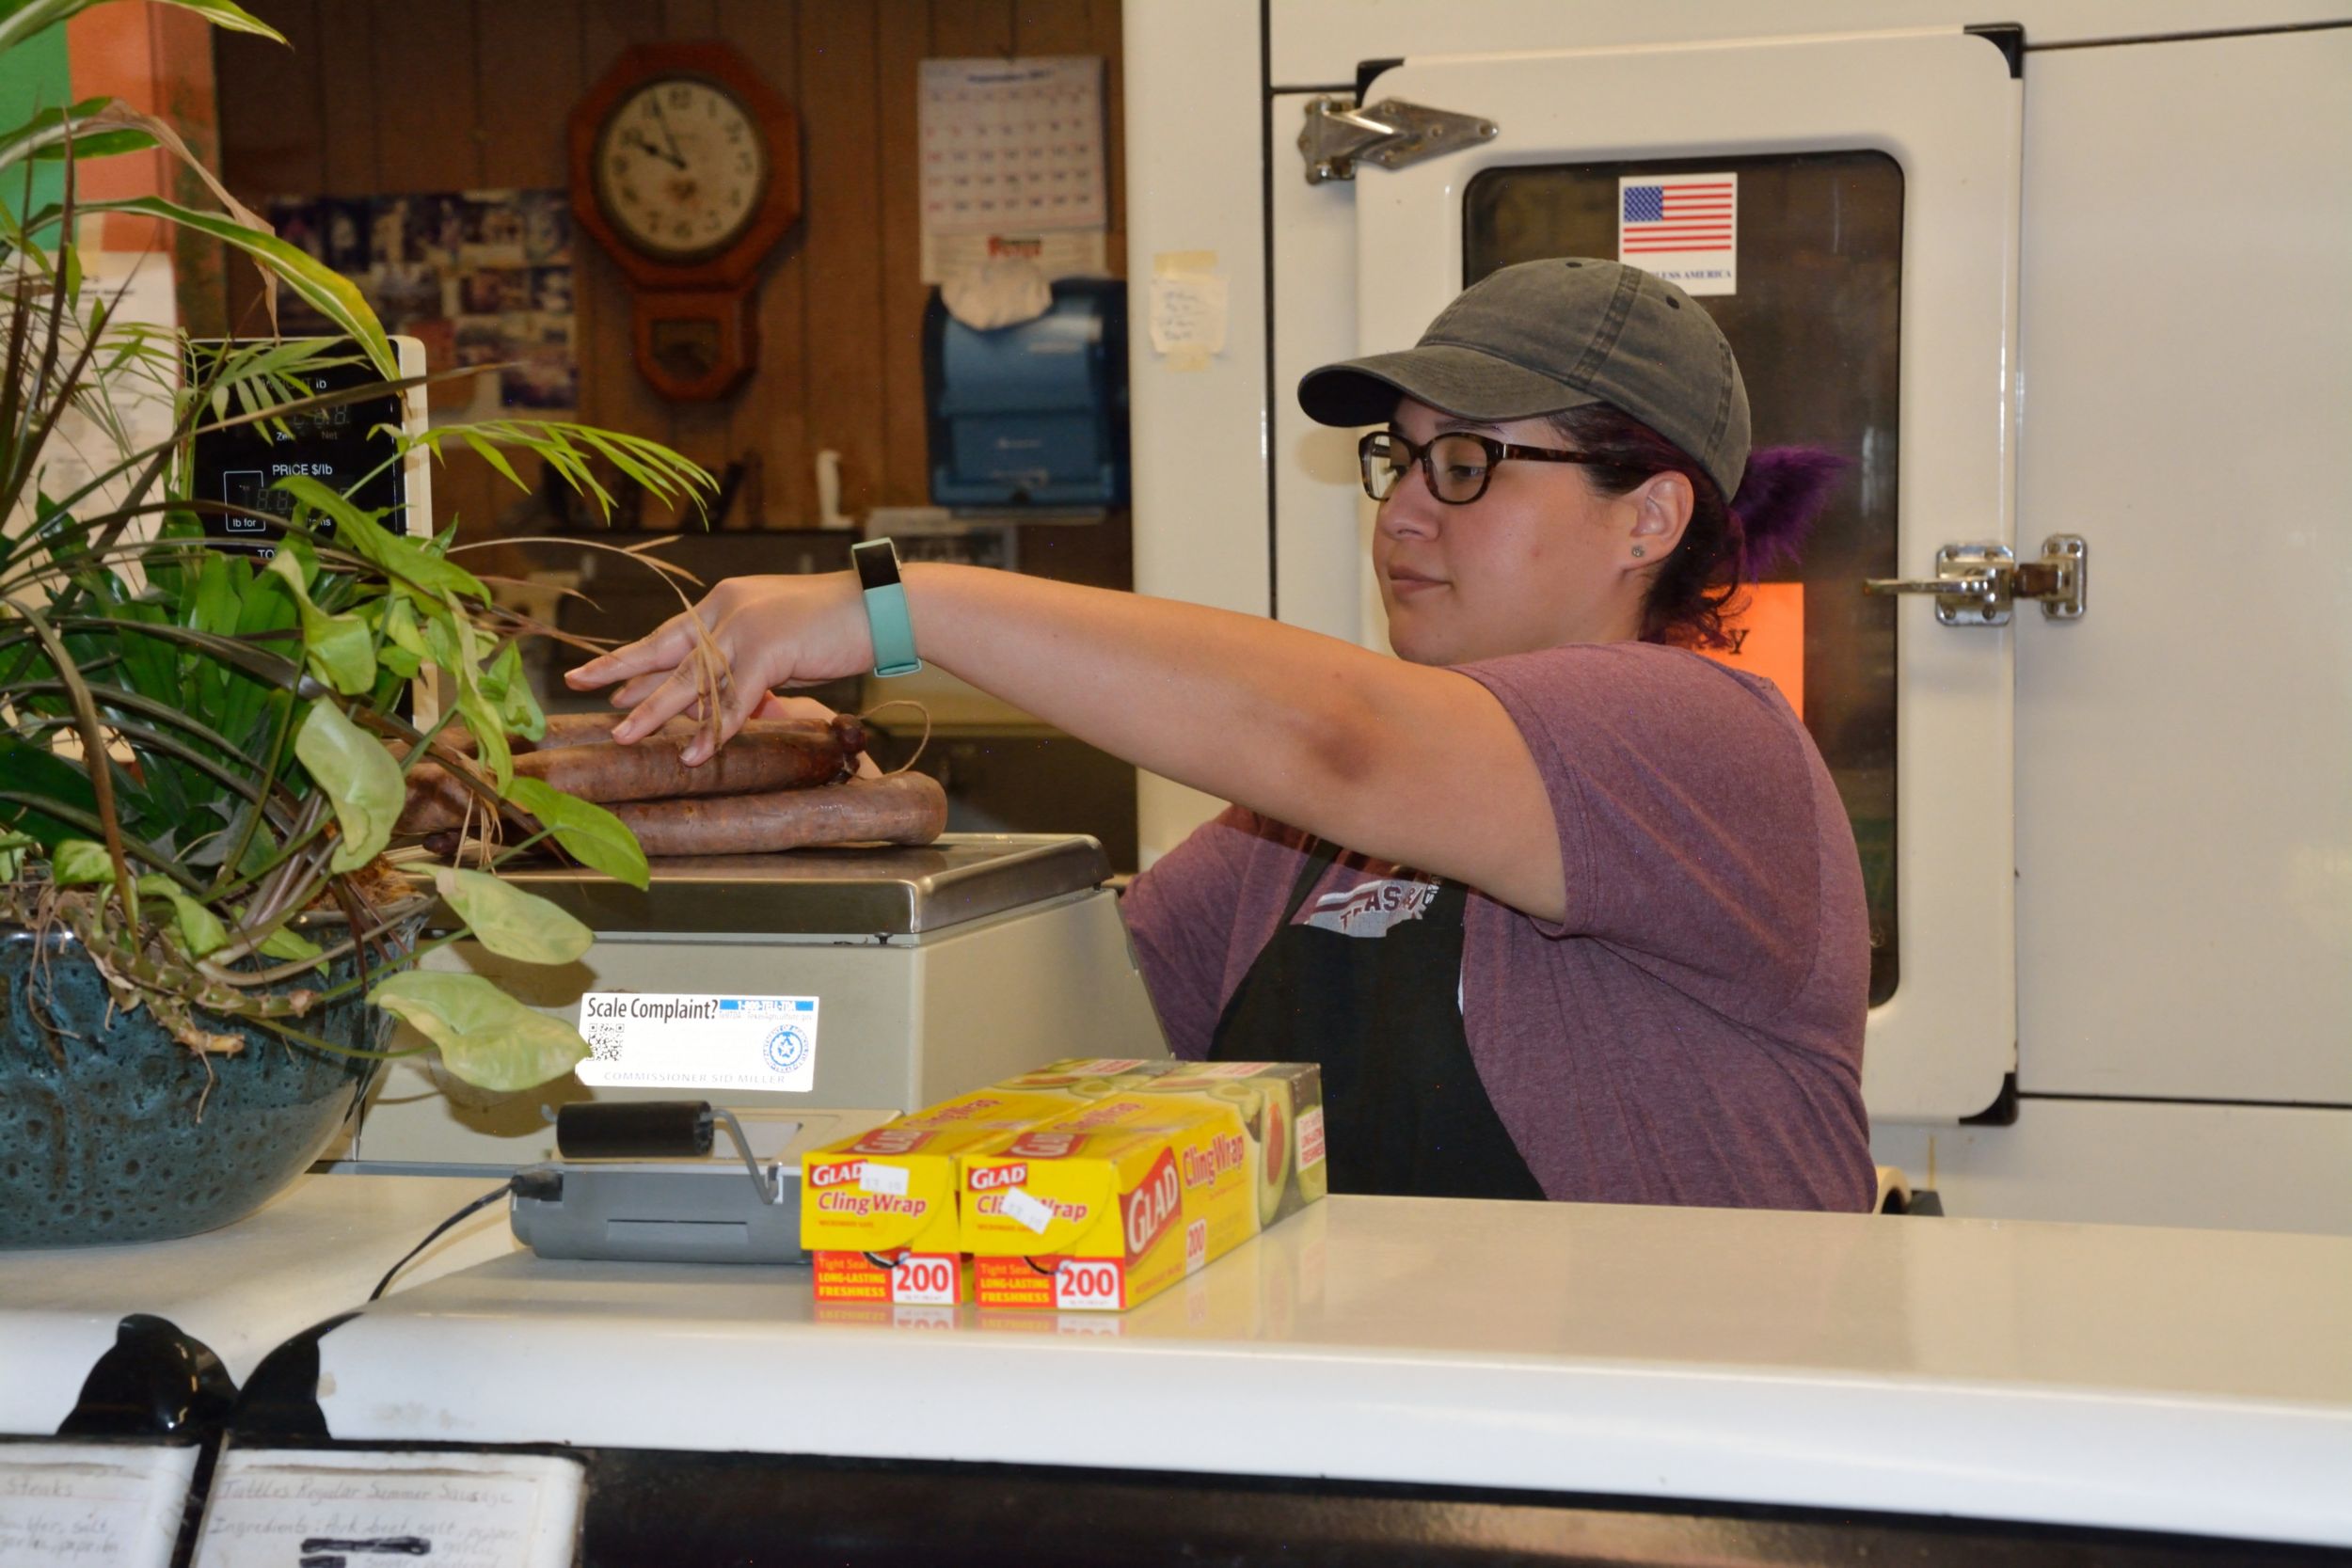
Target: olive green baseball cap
[1545,336]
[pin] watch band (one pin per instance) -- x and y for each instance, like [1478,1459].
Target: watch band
[886,618]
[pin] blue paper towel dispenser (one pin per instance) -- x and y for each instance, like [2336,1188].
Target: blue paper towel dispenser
[1032,415]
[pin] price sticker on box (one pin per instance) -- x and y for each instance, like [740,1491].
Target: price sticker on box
[924,1279]
[889,1181]
[1089,1285]
[1022,1208]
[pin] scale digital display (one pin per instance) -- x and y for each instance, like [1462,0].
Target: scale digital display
[241,467]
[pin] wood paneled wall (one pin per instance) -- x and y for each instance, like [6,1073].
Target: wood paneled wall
[391,96]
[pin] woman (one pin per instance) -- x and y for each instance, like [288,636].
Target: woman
[1630,961]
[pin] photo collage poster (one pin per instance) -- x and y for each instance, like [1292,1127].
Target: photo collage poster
[483,278]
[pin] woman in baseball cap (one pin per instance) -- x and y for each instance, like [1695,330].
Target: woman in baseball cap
[1564,909]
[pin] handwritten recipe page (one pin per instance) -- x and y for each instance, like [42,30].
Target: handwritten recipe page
[91,1504]
[271,1508]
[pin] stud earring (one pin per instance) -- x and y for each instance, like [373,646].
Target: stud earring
[1639,551]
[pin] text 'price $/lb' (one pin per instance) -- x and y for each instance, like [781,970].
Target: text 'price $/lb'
[1083,1285]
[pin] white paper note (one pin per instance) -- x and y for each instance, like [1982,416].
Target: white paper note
[888,1179]
[1024,1210]
[1187,314]
[87,1504]
[272,1507]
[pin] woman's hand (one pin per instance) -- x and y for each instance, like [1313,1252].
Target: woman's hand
[748,636]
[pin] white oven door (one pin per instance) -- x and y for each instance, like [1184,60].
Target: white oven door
[1847,206]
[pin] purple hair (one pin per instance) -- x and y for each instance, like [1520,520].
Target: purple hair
[1782,494]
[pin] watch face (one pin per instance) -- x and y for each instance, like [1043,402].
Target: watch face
[680,168]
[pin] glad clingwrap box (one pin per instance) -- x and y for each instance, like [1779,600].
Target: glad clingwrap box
[879,1210]
[1281,1110]
[1108,1205]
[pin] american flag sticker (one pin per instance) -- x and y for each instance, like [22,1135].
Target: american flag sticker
[1685,228]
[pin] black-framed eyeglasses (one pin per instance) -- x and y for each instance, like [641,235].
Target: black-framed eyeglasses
[1456,463]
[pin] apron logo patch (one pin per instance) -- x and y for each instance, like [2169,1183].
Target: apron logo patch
[1369,908]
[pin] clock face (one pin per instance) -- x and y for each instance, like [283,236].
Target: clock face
[680,168]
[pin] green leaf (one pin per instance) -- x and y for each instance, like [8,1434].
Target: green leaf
[200,930]
[288,944]
[12,847]
[399,660]
[450,635]
[489,735]
[400,628]
[218,593]
[399,557]
[36,771]
[50,133]
[511,923]
[505,684]
[358,777]
[487,450]
[338,648]
[324,290]
[403,652]
[22,19]
[79,863]
[588,833]
[486,1036]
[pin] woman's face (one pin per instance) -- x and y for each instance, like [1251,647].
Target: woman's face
[1536,562]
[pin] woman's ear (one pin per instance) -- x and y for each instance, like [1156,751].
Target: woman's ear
[1662,510]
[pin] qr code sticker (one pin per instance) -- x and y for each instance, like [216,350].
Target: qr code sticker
[604,1041]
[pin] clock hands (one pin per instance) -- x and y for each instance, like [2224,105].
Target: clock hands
[676,156]
[638,141]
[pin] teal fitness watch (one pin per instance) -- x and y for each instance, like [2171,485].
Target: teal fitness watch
[885,608]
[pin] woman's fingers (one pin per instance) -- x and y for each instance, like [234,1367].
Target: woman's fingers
[634,691]
[657,651]
[674,694]
[736,703]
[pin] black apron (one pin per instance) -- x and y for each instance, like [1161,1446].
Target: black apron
[1403,1113]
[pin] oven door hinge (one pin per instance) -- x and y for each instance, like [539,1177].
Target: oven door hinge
[1391,133]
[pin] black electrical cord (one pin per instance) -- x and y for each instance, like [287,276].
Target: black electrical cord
[474,1207]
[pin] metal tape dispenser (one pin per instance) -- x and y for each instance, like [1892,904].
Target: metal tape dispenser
[640,1181]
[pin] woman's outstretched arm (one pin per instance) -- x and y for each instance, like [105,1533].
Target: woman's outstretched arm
[1403,762]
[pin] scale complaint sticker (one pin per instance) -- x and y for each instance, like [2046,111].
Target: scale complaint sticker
[644,1039]
[1684,227]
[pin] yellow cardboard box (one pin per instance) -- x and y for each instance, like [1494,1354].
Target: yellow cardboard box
[878,1211]
[1106,1206]
[1281,1110]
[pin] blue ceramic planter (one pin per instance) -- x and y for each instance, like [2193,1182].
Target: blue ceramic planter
[101,1135]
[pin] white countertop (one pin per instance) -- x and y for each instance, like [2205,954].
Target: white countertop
[316,1249]
[2126,1377]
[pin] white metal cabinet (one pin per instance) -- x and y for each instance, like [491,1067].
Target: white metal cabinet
[2184,753]
[2182,776]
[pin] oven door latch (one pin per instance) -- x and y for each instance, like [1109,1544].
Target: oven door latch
[1974,584]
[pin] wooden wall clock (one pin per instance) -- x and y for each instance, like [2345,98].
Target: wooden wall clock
[687,167]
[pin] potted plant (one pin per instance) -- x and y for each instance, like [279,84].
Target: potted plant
[202,943]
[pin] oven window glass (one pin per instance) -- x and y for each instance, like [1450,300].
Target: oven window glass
[1814,322]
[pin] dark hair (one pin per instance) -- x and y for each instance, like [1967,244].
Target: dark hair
[1781,494]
